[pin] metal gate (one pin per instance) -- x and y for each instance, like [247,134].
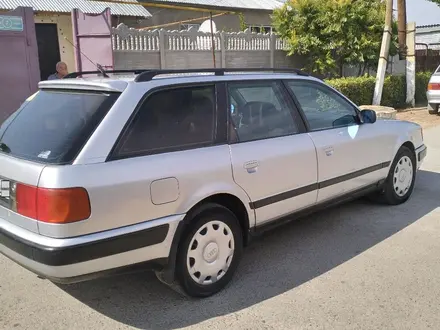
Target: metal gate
[19,68]
[92,40]
[427,57]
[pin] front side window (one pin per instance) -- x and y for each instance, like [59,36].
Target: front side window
[260,110]
[169,120]
[323,108]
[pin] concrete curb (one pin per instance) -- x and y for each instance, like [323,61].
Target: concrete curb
[412,109]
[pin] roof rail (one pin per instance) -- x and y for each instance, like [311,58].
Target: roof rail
[81,73]
[148,75]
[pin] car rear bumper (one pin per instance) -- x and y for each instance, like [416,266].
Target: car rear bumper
[433,97]
[145,245]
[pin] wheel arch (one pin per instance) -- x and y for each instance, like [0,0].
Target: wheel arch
[232,203]
[410,146]
[227,200]
[403,142]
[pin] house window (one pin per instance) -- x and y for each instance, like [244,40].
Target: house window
[261,28]
[189,26]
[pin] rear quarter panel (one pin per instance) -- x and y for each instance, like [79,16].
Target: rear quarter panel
[120,191]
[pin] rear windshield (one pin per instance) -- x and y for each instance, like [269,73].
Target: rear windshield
[52,126]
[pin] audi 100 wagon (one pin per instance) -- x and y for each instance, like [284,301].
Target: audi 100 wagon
[176,170]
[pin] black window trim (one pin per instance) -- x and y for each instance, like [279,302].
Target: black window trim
[219,134]
[324,86]
[294,111]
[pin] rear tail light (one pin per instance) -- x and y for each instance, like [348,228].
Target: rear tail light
[51,205]
[433,87]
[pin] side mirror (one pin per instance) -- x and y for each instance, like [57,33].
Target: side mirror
[368,116]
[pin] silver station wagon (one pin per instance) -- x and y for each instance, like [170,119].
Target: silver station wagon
[176,171]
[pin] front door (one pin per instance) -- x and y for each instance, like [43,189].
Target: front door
[48,48]
[273,159]
[350,155]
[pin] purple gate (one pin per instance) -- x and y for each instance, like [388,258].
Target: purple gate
[19,68]
[92,40]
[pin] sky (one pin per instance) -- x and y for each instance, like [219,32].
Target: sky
[423,12]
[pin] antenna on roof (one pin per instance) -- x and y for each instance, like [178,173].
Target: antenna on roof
[101,69]
[97,65]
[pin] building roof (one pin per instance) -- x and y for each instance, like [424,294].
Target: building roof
[428,28]
[238,4]
[86,6]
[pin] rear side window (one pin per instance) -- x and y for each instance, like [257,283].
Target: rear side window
[171,120]
[53,125]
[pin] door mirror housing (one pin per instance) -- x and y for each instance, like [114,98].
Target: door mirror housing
[368,116]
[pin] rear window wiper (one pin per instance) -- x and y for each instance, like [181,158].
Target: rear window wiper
[4,148]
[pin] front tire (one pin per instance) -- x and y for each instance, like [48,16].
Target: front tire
[399,184]
[210,252]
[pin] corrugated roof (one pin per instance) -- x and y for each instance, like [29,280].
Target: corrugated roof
[86,6]
[428,29]
[428,26]
[242,4]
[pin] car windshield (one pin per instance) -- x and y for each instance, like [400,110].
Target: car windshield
[52,126]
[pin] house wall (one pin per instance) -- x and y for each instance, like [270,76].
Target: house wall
[429,36]
[65,31]
[230,22]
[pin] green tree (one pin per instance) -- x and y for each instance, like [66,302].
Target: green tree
[436,1]
[331,33]
[242,22]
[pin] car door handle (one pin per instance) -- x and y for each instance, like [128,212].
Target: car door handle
[329,151]
[251,166]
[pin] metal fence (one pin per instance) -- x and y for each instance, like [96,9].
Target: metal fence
[427,57]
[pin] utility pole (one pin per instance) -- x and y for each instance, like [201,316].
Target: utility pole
[402,25]
[384,53]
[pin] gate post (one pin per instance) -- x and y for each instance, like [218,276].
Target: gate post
[19,66]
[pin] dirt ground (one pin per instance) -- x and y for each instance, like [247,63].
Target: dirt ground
[421,117]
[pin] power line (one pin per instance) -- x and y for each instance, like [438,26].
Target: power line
[180,22]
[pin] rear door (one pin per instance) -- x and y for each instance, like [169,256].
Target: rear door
[350,155]
[273,159]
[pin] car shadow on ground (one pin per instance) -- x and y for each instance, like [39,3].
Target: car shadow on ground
[278,262]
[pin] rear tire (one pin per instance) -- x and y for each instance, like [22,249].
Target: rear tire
[209,252]
[399,184]
[432,109]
